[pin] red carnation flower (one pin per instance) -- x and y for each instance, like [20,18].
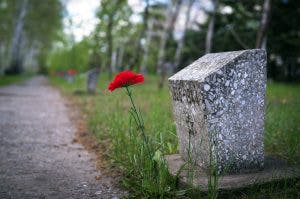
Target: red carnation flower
[72,72]
[124,79]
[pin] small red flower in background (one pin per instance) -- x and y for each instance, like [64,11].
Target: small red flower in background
[125,78]
[72,72]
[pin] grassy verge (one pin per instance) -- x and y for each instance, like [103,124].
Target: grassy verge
[148,177]
[10,79]
[282,135]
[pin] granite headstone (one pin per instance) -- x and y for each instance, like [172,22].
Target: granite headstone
[219,107]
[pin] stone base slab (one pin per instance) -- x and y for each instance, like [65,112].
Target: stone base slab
[274,169]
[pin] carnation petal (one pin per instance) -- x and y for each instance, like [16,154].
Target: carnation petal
[125,78]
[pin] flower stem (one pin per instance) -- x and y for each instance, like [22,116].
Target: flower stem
[138,119]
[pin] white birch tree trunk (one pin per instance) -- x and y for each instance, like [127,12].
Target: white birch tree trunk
[16,64]
[181,40]
[168,29]
[120,57]
[210,29]
[140,50]
[164,38]
[143,68]
[113,61]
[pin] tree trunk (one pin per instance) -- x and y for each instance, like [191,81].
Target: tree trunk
[181,40]
[143,67]
[16,62]
[2,58]
[110,44]
[210,29]
[113,61]
[139,49]
[264,23]
[120,58]
[168,30]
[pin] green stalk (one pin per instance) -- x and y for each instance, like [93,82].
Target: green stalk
[138,119]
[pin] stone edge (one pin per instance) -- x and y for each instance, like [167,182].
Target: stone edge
[234,181]
[242,52]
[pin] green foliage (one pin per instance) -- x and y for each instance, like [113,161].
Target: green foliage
[233,31]
[114,29]
[194,47]
[114,43]
[284,40]
[242,23]
[42,24]
[76,57]
[10,79]
[238,31]
[7,10]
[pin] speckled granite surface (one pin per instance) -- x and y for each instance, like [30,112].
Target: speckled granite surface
[219,103]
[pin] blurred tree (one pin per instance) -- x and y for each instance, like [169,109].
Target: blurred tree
[76,56]
[180,44]
[113,16]
[172,14]
[16,62]
[211,25]
[194,47]
[7,10]
[248,24]
[284,40]
[236,29]
[43,27]
[156,20]
[136,61]
[36,25]
[261,38]
[121,43]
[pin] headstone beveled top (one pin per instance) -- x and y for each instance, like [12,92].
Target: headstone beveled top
[218,104]
[205,66]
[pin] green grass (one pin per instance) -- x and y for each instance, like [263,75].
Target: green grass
[10,79]
[282,135]
[109,121]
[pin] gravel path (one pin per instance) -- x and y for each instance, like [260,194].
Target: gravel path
[37,156]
